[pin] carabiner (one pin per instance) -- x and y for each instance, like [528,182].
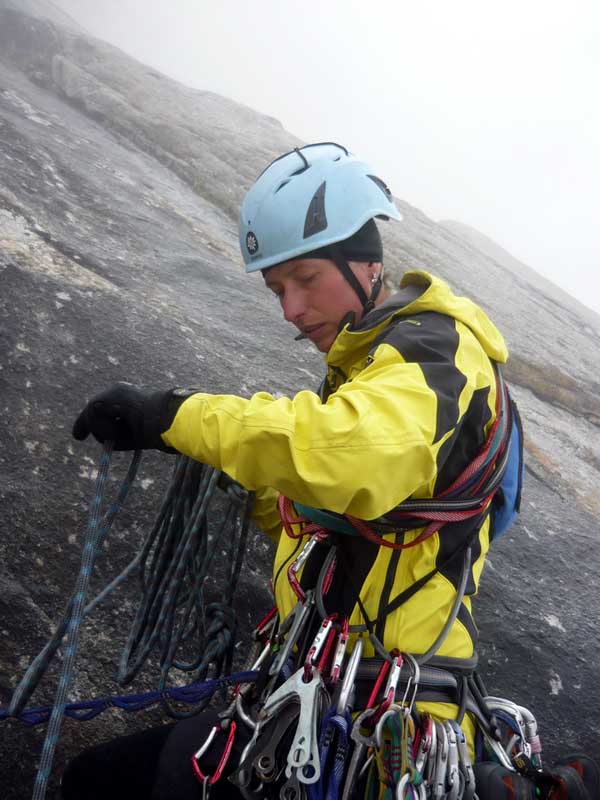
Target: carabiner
[413,681]
[345,700]
[402,785]
[427,733]
[294,624]
[464,763]
[322,642]
[392,711]
[389,693]
[299,562]
[438,788]
[382,675]
[453,776]
[210,780]
[266,625]
[340,649]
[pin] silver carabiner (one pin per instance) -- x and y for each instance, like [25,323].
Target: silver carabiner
[464,762]
[452,772]
[344,700]
[441,763]
[413,681]
[294,623]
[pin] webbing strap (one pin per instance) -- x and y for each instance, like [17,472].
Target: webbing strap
[468,496]
[339,260]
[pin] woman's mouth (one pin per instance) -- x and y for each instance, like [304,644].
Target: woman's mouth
[311,330]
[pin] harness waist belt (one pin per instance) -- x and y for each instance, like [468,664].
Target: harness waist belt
[431,678]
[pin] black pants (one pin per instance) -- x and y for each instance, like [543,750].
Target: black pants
[154,764]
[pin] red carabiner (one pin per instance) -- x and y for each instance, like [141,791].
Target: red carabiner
[390,688]
[322,644]
[338,656]
[299,562]
[264,624]
[212,779]
[385,668]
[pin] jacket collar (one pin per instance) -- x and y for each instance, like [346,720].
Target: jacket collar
[353,337]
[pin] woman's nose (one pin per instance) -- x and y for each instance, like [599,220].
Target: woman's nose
[293,305]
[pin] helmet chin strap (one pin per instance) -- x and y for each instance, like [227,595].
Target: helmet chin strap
[342,264]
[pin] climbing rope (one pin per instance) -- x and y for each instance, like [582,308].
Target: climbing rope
[90,549]
[175,561]
[38,667]
[172,566]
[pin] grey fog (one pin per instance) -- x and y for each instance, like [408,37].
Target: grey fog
[477,112]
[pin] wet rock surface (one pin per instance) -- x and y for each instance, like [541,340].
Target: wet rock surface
[118,261]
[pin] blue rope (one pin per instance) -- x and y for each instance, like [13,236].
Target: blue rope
[90,548]
[38,667]
[88,709]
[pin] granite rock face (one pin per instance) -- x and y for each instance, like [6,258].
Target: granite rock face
[119,191]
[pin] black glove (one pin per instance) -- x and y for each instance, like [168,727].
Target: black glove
[130,417]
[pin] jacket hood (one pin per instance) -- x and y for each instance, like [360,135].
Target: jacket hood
[420,291]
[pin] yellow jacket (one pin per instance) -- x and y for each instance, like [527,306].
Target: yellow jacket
[407,402]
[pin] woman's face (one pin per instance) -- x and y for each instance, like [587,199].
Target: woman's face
[315,296]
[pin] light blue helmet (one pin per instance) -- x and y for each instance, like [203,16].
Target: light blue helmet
[306,200]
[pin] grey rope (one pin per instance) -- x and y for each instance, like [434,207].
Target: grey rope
[460,593]
[38,667]
[439,640]
[175,561]
[90,548]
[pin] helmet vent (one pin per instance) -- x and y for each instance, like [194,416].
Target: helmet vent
[378,182]
[281,185]
[316,218]
[300,171]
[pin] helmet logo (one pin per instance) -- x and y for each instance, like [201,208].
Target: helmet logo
[251,243]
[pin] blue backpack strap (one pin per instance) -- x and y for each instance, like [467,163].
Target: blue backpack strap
[507,500]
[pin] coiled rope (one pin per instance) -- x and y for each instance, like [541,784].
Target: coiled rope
[172,565]
[175,562]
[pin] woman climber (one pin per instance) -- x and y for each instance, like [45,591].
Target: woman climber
[411,408]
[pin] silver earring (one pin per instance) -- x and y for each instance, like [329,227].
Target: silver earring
[374,279]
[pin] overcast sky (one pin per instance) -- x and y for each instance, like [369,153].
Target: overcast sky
[472,110]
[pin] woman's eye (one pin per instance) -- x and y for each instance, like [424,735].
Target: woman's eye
[308,278]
